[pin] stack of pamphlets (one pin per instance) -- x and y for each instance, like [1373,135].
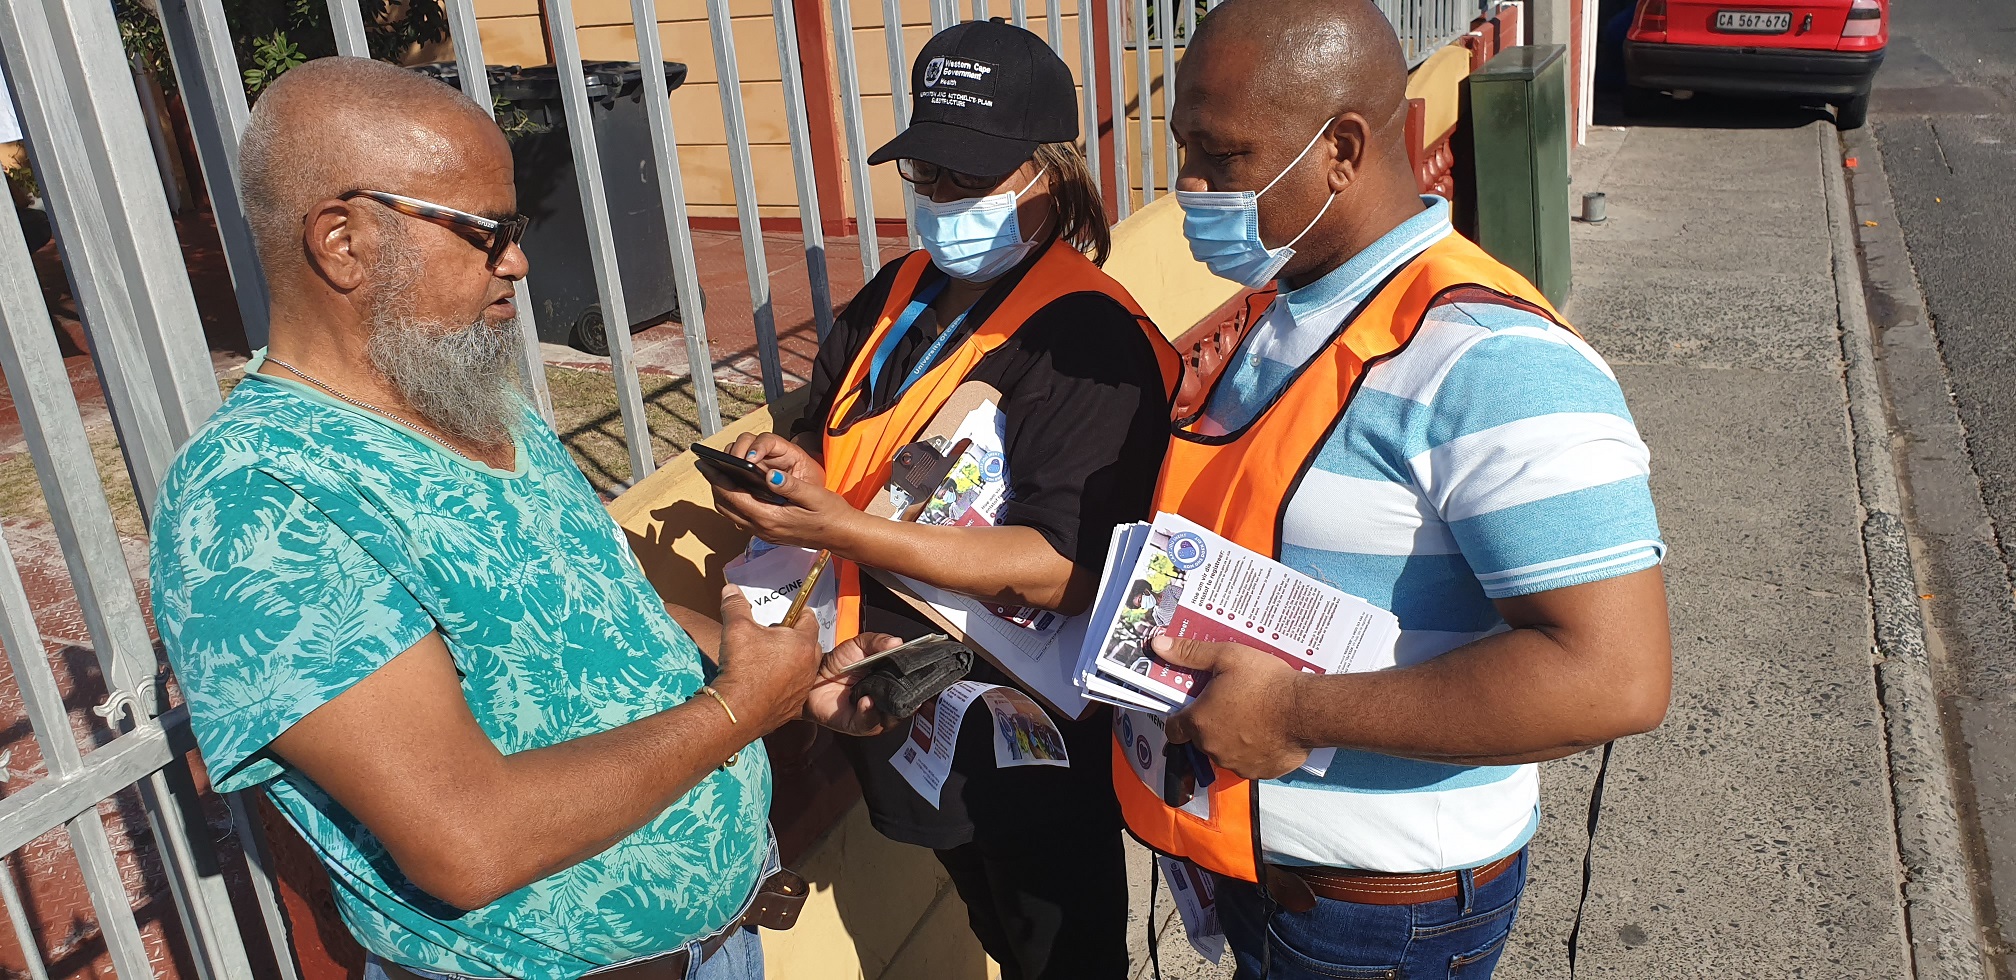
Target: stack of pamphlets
[1174,577]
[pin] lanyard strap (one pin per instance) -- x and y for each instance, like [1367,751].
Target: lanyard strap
[902,329]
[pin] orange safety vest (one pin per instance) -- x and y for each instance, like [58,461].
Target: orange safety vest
[1238,485]
[859,455]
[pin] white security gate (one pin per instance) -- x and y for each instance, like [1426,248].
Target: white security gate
[95,164]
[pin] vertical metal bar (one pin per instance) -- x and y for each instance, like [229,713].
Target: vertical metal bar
[213,92]
[170,347]
[979,9]
[601,241]
[1145,97]
[89,244]
[1054,19]
[153,112]
[672,204]
[857,139]
[1165,22]
[1088,83]
[940,19]
[797,128]
[43,701]
[1189,20]
[899,90]
[1114,52]
[259,867]
[475,75]
[1018,13]
[100,870]
[348,24]
[24,932]
[27,338]
[203,899]
[54,433]
[742,172]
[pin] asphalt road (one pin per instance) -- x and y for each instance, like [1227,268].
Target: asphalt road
[1945,114]
[1943,124]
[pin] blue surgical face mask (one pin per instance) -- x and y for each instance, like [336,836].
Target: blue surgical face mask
[975,239]
[1224,229]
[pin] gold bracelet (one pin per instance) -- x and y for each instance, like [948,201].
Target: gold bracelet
[708,689]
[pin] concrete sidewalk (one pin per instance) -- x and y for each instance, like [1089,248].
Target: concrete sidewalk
[1753,835]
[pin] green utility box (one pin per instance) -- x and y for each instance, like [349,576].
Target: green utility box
[1517,112]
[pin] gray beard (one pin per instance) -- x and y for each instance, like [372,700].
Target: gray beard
[463,381]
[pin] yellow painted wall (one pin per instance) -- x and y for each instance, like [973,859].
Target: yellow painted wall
[512,35]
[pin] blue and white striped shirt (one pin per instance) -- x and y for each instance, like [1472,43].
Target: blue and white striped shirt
[1492,457]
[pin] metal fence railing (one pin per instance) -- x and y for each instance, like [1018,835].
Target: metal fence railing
[119,246]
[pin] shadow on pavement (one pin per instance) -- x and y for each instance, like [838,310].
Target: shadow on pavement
[1706,111]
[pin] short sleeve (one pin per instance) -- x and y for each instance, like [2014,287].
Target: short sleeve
[1535,464]
[1088,422]
[268,610]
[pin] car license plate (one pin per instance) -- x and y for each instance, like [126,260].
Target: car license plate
[1752,22]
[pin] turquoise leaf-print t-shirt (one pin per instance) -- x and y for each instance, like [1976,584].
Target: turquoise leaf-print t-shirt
[299,544]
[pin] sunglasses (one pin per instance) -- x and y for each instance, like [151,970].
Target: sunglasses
[925,174]
[498,234]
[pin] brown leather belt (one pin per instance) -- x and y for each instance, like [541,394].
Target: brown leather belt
[1297,889]
[776,906]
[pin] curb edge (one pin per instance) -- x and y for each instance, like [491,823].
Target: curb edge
[1941,921]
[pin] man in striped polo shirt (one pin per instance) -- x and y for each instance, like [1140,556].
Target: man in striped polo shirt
[1483,480]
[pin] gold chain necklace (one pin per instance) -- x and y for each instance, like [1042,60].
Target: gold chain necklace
[394,416]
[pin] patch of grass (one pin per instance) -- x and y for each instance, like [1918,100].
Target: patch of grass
[591,426]
[584,412]
[21,490]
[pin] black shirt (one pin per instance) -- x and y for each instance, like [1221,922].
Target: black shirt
[1087,422]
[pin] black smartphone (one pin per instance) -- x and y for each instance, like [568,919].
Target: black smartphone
[753,478]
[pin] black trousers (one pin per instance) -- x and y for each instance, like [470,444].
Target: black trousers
[1047,908]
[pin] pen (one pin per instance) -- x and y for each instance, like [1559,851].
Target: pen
[819,563]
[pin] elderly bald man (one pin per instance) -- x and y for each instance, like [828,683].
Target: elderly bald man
[395,605]
[1411,422]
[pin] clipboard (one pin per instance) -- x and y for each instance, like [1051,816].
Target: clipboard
[964,400]
[945,423]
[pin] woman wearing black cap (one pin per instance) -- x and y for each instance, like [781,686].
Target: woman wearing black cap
[1003,293]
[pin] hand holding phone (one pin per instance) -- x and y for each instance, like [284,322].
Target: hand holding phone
[738,472]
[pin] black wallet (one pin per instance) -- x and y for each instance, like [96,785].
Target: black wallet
[899,684]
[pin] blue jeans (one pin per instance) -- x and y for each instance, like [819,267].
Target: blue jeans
[1458,938]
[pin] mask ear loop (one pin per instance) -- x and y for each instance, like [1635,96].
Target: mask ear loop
[1277,179]
[1298,157]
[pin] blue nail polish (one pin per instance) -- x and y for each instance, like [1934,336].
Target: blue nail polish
[750,455]
[777,478]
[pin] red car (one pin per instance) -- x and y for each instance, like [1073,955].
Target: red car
[1818,49]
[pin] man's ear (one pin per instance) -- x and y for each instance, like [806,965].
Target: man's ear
[1351,135]
[332,241]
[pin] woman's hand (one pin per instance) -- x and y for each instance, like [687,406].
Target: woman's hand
[832,701]
[774,452]
[810,515]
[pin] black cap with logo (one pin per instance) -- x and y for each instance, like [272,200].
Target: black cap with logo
[983,95]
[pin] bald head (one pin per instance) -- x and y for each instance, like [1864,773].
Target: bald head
[1317,59]
[1306,100]
[335,125]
